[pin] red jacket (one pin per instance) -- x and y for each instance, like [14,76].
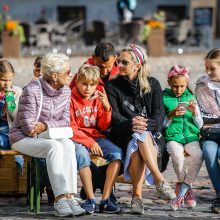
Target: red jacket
[88,119]
[101,84]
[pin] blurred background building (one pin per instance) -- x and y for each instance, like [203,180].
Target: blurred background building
[55,23]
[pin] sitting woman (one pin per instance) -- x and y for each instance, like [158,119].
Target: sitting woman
[137,114]
[9,97]
[59,153]
[208,97]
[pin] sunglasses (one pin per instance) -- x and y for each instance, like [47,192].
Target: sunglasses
[123,62]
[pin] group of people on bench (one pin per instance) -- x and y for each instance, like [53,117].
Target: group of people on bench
[116,111]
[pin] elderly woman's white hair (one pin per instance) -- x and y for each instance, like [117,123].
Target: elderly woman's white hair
[53,63]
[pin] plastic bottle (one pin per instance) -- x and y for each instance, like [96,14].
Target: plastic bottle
[10,100]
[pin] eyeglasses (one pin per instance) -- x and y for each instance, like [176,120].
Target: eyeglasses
[123,62]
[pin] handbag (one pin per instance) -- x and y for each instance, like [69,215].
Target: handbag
[52,133]
[211,133]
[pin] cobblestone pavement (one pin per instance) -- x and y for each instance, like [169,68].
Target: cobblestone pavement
[11,208]
[155,208]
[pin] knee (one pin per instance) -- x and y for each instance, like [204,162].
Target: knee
[209,148]
[116,155]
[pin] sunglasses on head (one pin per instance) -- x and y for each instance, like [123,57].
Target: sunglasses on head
[123,62]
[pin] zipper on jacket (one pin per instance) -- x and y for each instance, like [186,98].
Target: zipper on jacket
[184,123]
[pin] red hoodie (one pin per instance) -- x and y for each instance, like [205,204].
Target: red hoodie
[88,119]
[101,84]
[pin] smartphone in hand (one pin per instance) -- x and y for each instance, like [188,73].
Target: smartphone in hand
[182,106]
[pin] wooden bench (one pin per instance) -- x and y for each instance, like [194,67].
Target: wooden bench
[30,180]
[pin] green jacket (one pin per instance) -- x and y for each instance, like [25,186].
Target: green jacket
[182,128]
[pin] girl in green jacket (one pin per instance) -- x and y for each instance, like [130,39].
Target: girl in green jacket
[182,123]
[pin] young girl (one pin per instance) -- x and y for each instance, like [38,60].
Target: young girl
[7,114]
[208,97]
[182,133]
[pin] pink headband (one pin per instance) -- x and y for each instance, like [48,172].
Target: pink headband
[176,70]
[138,53]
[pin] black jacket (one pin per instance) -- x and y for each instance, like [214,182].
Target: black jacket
[126,102]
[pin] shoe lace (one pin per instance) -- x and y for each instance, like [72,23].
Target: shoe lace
[190,194]
[166,187]
[179,201]
[137,201]
[63,204]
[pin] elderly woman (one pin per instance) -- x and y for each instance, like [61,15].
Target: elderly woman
[138,113]
[208,97]
[59,153]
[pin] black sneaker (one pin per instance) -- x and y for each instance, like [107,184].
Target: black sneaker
[113,199]
[215,208]
[107,206]
[89,206]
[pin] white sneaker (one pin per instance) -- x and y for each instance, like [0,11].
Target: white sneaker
[75,207]
[137,206]
[165,191]
[62,208]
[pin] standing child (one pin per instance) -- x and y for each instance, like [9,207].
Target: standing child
[90,116]
[182,133]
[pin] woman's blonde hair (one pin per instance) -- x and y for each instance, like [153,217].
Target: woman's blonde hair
[53,63]
[144,71]
[89,73]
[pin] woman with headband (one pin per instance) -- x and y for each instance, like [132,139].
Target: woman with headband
[183,123]
[137,114]
[208,97]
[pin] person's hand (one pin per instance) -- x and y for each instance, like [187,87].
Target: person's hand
[139,124]
[40,127]
[96,150]
[178,111]
[104,99]
[192,107]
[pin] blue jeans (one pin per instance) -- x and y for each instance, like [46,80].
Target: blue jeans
[211,152]
[110,152]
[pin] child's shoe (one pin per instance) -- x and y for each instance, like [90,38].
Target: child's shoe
[107,206]
[190,199]
[89,206]
[165,191]
[177,203]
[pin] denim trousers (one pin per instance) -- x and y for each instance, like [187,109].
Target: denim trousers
[176,151]
[110,151]
[211,154]
[60,159]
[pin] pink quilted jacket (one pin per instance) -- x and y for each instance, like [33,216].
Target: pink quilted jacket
[55,109]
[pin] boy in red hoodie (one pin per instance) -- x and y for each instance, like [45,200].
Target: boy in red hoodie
[90,117]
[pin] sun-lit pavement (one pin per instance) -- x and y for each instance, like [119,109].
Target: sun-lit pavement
[11,208]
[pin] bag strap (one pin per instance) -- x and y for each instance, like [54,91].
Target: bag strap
[41,100]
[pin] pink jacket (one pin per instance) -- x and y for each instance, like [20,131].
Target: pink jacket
[55,109]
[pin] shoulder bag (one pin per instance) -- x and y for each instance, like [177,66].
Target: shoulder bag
[53,133]
[211,132]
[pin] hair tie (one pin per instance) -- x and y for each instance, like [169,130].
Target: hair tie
[177,70]
[138,53]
